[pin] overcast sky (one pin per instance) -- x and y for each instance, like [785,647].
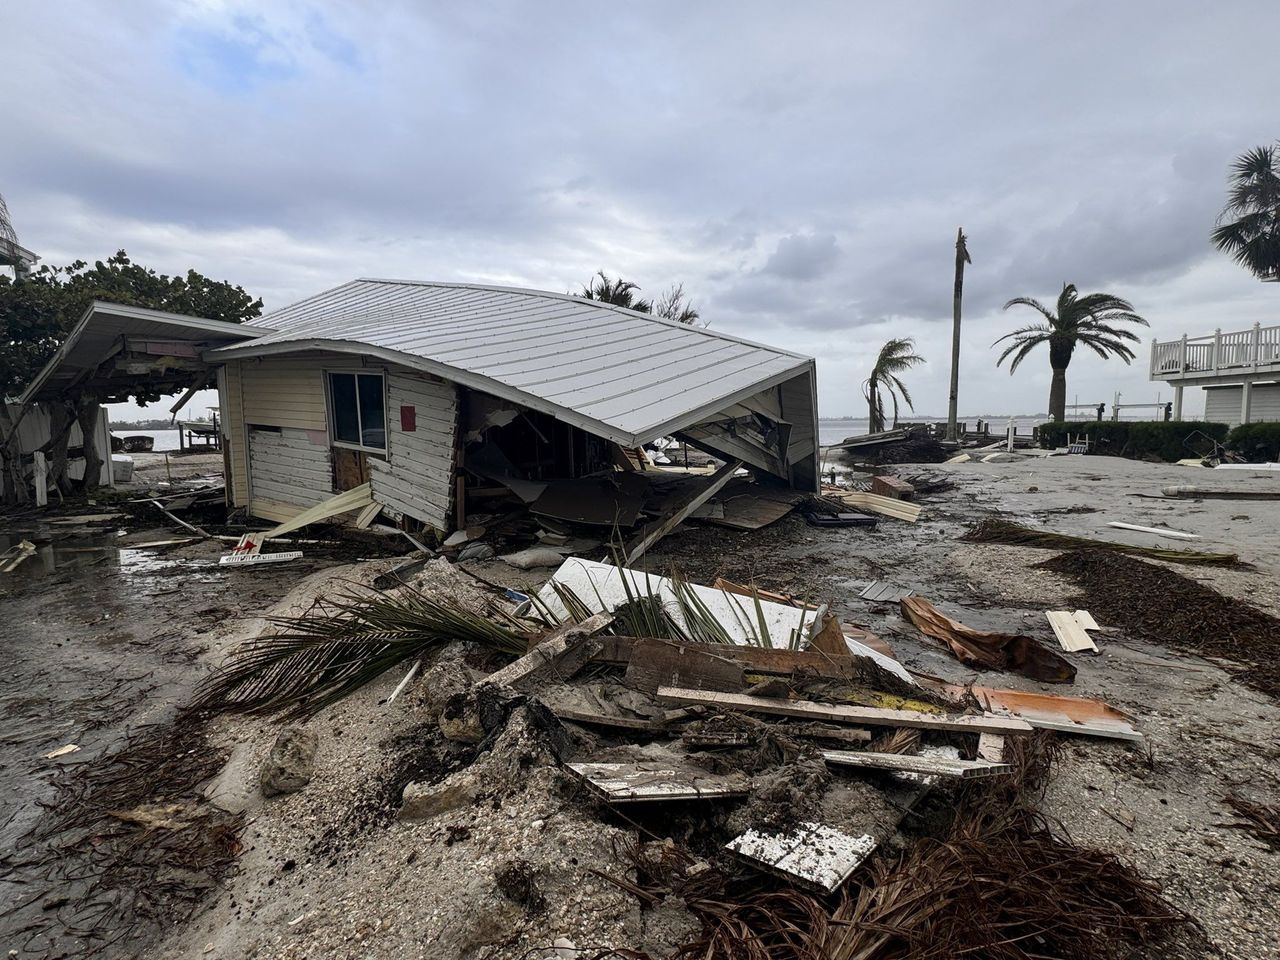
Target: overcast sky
[801,168]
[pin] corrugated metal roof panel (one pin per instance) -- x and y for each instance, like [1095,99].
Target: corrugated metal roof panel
[629,373]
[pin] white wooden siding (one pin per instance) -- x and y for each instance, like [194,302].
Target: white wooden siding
[1222,404]
[289,469]
[231,405]
[285,392]
[416,479]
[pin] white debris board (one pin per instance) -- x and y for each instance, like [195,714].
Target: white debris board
[1070,629]
[650,780]
[603,588]
[813,854]
[908,763]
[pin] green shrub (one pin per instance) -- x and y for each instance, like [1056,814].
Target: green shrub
[1256,442]
[1138,439]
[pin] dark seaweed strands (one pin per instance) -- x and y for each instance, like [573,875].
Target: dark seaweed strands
[1016,535]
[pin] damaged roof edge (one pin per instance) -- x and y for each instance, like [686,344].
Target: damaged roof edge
[242,331]
[486,384]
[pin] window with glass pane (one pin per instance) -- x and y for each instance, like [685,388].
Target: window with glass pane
[359,417]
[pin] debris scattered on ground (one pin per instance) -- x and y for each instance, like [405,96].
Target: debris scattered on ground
[1260,819]
[1152,601]
[291,763]
[1003,531]
[995,651]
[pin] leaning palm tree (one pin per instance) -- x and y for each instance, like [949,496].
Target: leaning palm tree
[1249,225]
[1090,321]
[896,356]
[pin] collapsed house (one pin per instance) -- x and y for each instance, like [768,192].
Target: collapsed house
[438,394]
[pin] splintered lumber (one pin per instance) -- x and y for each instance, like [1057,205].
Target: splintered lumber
[12,558]
[881,591]
[824,731]
[783,663]
[1175,534]
[874,503]
[357,498]
[1046,711]
[844,713]
[655,531]
[650,780]
[1070,629]
[811,854]
[595,719]
[661,663]
[894,487]
[991,747]
[179,521]
[562,649]
[908,763]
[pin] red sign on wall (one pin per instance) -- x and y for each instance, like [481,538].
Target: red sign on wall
[408,418]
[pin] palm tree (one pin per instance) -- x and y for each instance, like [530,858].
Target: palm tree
[896,356]
[620,293]
[1253,236]
[672,305]
[1089,320]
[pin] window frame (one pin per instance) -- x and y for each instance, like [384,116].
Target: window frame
[381,451]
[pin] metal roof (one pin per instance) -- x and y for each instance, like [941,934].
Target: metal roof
[618,373]
[102,330]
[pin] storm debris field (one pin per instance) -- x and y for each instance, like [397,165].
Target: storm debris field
[725,751]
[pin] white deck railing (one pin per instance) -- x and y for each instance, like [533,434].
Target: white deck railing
[1235,352]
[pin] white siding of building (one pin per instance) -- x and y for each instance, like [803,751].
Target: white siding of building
[1222,404]
[416,479]
[291,472]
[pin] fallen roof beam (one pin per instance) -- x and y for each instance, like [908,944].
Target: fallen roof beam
[654,532]
[844,713]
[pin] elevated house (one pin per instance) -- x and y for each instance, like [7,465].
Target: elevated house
[433,393]
[1239,371]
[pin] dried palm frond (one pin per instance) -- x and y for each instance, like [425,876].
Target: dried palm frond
[1260,819]
[1014,534]
[340,645]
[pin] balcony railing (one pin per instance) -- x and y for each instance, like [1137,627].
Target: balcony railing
[1257,348]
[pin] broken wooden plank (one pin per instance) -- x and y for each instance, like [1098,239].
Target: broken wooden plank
[874,503]
[881,591]
[62,751]
[895,488]
[368,515]
[662,663]
[655,780]
[179,521]
[565,649]
[991,747]
[12,558]
[728,586]
[823,731]
[1071,635]
[1046,711]
[845,713]
[1159,532]
[1222,493]
[813,855]
[910,763]
[619,650]
[654,532]
[597,719]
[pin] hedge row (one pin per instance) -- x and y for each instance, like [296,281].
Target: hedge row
[1256,442]
[1138,439]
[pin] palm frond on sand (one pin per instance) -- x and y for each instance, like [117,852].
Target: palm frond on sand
[318,658]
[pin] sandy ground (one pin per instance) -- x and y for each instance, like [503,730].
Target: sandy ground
[329,872]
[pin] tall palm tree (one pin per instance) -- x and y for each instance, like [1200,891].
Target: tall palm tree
[1249,225]
[896,356]
[1089,320]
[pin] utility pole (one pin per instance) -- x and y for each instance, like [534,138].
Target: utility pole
[962,257]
